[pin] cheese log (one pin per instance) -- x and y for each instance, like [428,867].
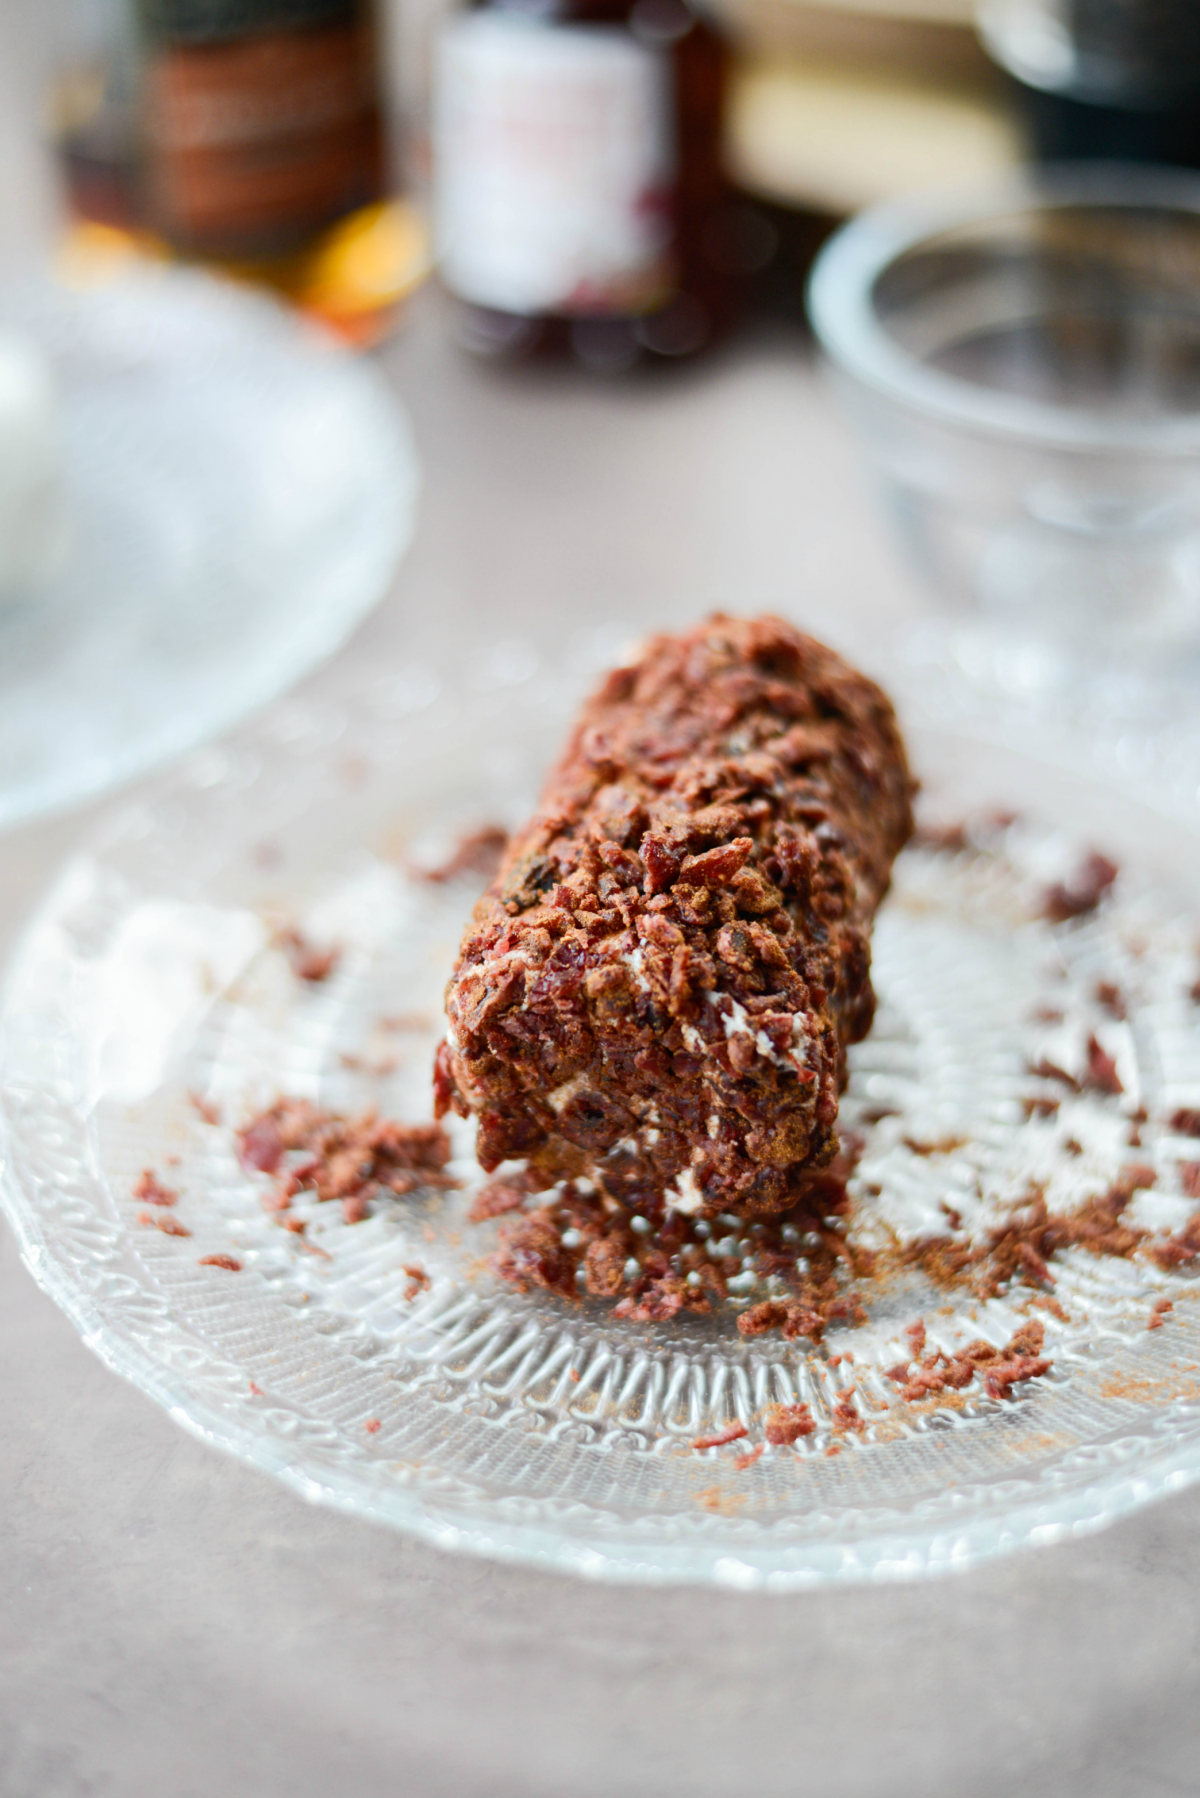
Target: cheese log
[657,991]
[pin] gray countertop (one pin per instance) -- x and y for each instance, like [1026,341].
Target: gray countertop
[175,1626]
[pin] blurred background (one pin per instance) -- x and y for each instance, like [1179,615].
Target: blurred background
[873,311]
[622,188]
[307,142]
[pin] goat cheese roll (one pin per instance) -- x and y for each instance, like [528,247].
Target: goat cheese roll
[657,991]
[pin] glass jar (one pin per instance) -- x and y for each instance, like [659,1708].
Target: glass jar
[580,203]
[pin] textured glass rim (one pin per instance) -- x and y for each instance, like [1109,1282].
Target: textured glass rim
[844,275]
[913,1553]
[1018,1513]
[904,1556]
[390,498]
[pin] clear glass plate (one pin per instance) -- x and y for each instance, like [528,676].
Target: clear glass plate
[523,1426]
[240,490]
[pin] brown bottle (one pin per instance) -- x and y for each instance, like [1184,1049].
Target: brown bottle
[579,198]
[247,133]
[262,121]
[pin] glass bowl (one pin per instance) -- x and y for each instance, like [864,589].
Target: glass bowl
[1023,362]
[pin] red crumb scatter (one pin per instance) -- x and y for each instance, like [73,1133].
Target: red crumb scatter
[1082,891]
[923,1382]
[661,1298]
[1154,1321]
[372,1426]
[786,1315]
[256,1389]
[719,1501]
[1022,1246]
[1186,1121]
[307,962]
[229,1262]
[261,1144]
[151,1191]
[741,1462]
[1179,1250]
[204,1108]
[942,1145]
[358,1064]
[1158,1313]
[1102,1076]
[1000,1378]
[948,839]
[1189,1179]
[533,1256]
[732,1433]
[1110,996]
[1194,992]
[835,1448]
[478,852]
[164,1221]
[573,1374]
[497,1197]
[1020,1359]
[846,1415]
[418,1280]
[785,1424]
[1046,1069]
[579,1242]
[1001,1368]
[352,1160]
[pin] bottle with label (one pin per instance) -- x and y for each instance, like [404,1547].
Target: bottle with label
[255,138]
[579,198]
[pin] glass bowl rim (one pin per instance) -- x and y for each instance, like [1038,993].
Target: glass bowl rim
[843,317]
